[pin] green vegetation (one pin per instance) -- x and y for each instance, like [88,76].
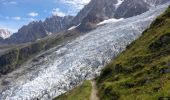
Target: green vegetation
[82,92]
[17,56]
[142,71]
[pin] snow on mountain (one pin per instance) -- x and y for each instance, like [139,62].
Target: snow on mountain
[73,27]
[62,68]
[99,10]
[4,33]
[119,2]
[112,20]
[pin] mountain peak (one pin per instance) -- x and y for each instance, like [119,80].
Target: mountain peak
[5,33]
[105,9]
[40,29]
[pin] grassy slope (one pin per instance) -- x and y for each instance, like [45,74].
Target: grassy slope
[142,72]
[80,93]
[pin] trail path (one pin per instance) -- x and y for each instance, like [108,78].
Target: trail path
[94,91]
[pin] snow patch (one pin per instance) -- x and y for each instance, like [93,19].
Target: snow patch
[119,2]
[49,33]
[112,20]
[73,27]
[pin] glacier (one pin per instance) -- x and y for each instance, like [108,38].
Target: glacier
[67,65]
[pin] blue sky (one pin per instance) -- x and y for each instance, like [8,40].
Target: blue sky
[16,13]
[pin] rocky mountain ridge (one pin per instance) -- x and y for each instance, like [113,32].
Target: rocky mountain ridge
[99,10]
[94,12]
[39,29]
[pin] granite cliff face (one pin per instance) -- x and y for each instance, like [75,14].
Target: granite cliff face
[56,24]
[130,8]
[28,33]
[98,10]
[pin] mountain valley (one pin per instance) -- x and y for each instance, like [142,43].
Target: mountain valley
[121,45]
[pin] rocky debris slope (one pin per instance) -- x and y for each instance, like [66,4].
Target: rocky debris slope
[142,71]
[60,69]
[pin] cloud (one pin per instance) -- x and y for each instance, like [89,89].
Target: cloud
[13,2]
[56,11]
[8,28]
[45,11]
[74,5]
[9,2]
[29,19]
[7,17]
[78,4]
[16,18]
[33,14]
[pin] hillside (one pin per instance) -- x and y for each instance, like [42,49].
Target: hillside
[80,93]
[142,71]
[50,72]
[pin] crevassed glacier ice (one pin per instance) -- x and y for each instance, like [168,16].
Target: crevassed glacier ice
[61,68]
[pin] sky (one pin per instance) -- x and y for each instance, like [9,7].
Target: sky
[16,13]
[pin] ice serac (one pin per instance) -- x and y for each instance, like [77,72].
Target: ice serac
[63,67]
